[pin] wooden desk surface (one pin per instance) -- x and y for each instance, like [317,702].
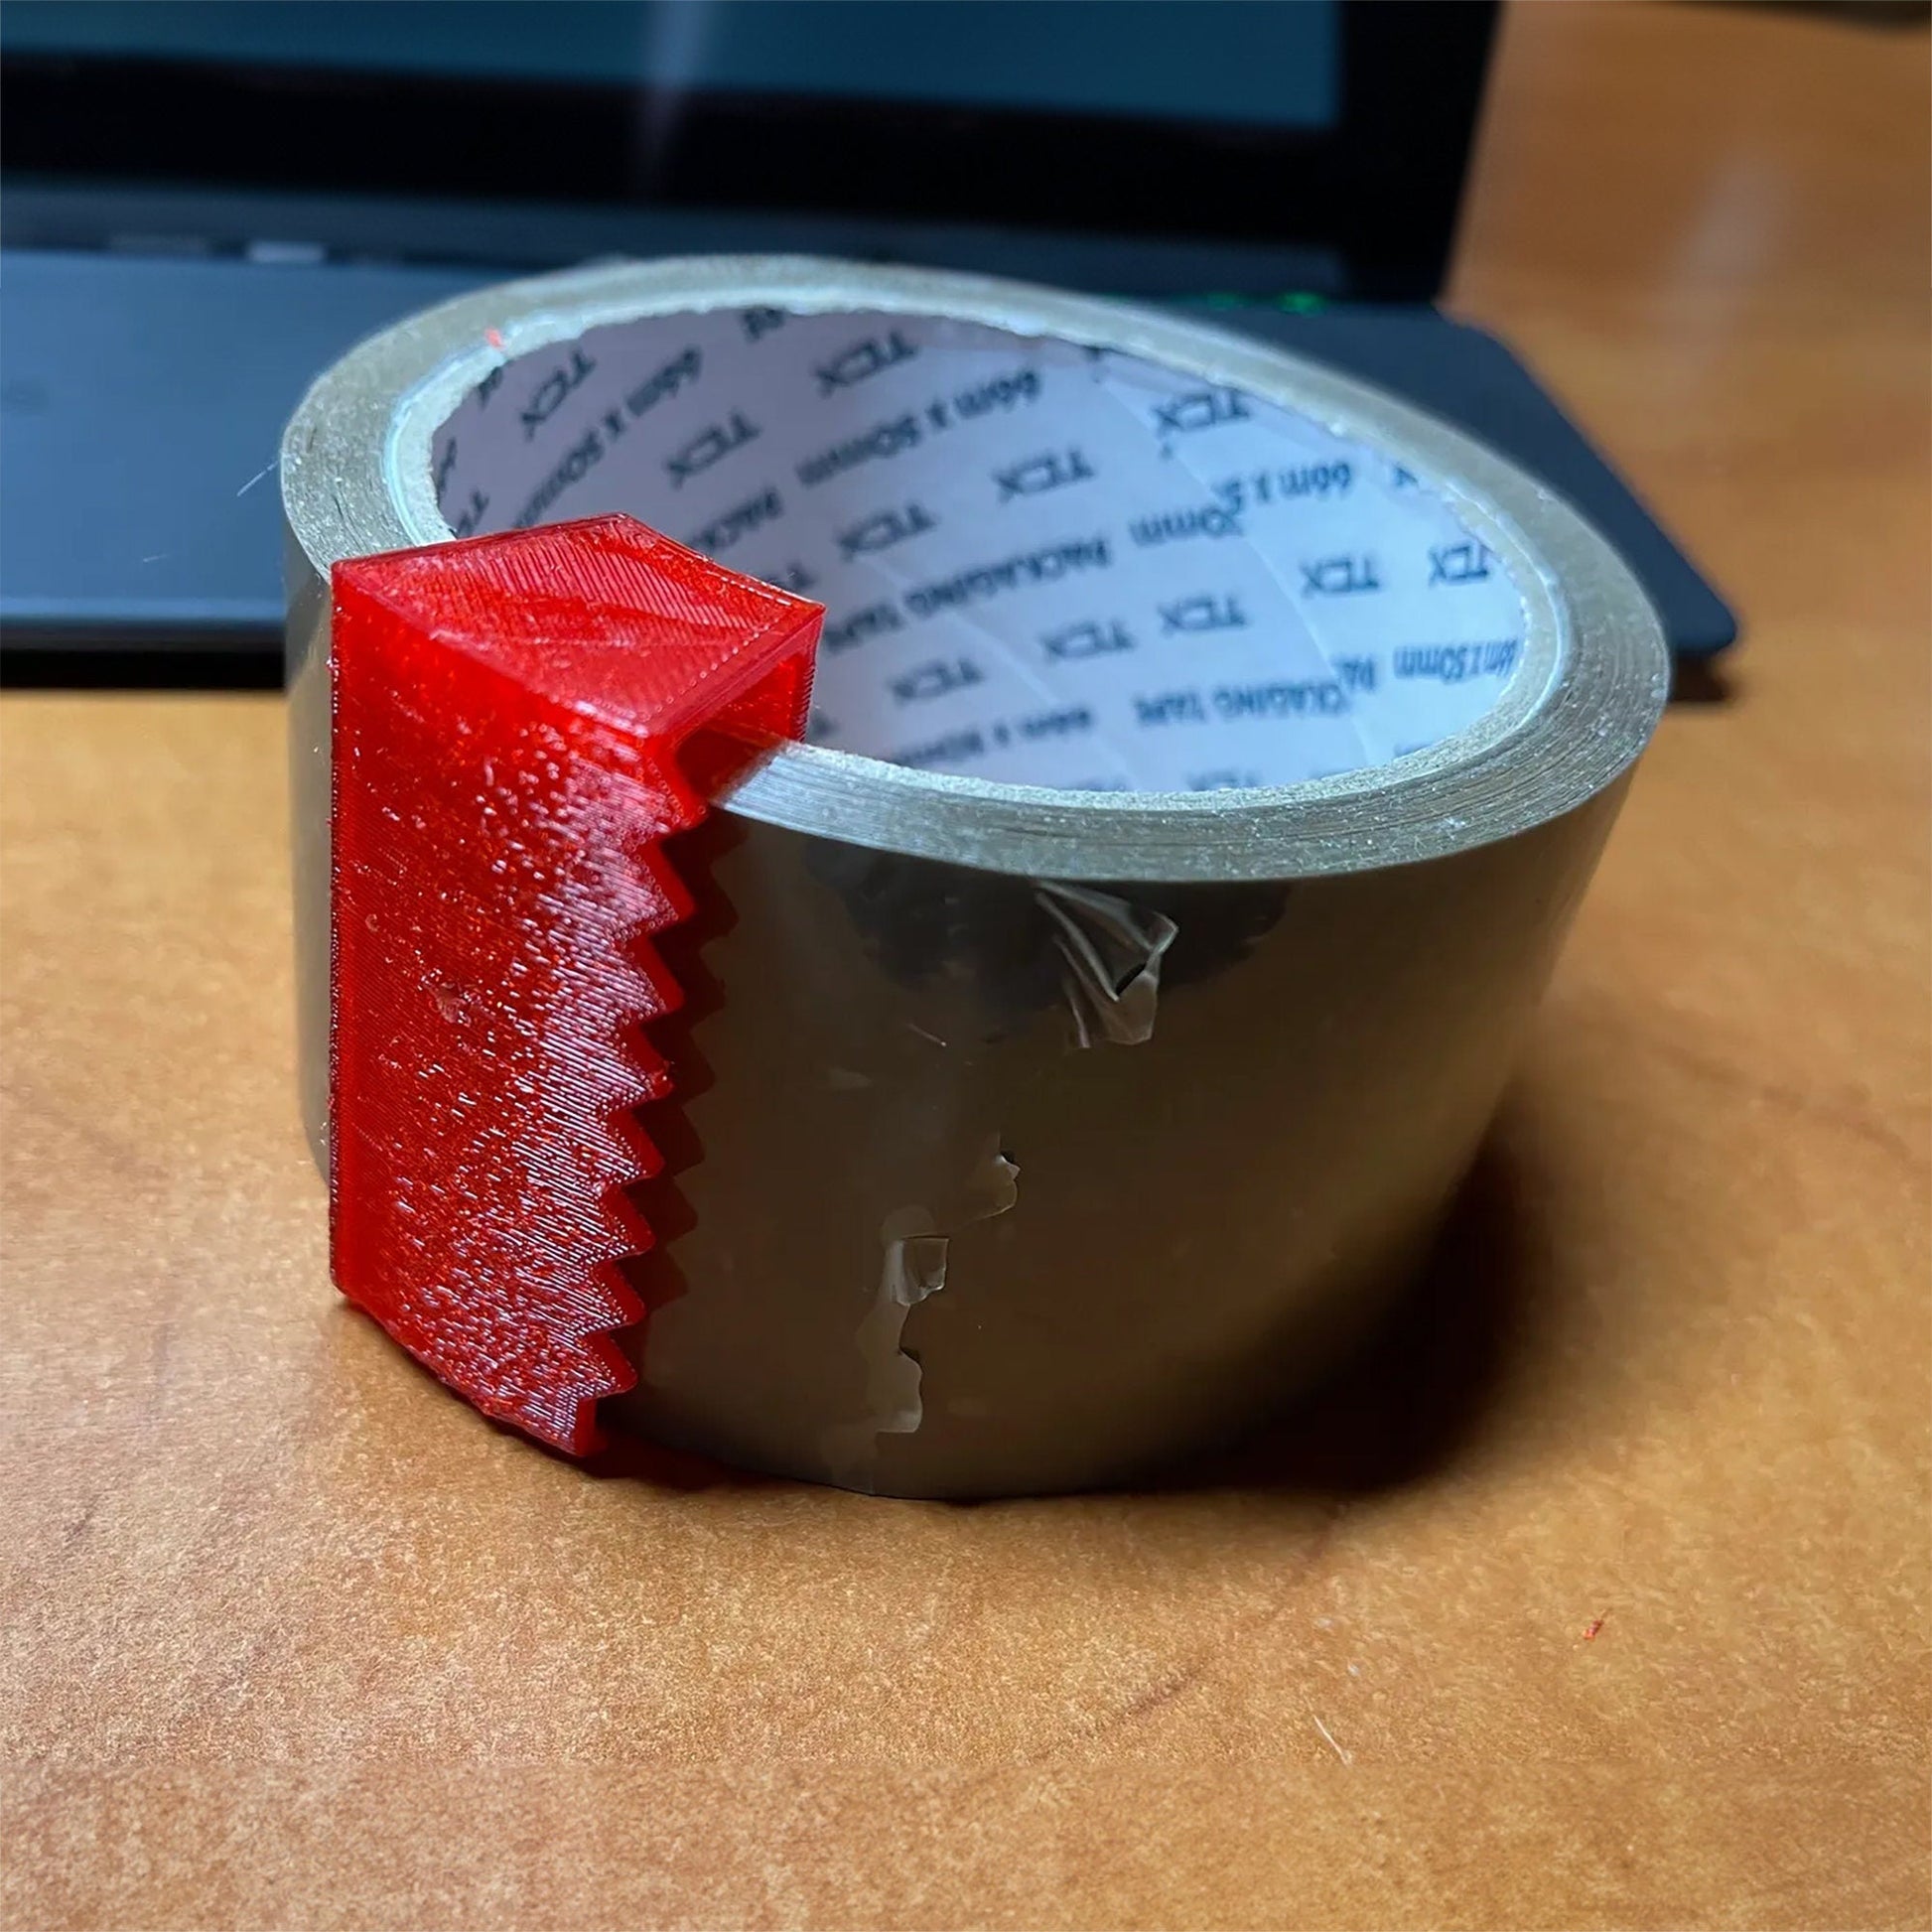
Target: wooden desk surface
[296,1641]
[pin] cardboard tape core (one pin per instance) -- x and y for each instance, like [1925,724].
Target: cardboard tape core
[1042,563]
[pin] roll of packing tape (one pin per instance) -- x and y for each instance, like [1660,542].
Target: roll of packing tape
[1206,755]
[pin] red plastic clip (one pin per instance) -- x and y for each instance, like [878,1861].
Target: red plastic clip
[507,717]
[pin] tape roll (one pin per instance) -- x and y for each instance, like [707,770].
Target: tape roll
[1091,1025]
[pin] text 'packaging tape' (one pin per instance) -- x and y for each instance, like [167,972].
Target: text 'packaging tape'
[1088,1024]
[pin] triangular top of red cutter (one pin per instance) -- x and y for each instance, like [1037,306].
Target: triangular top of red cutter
[602,617]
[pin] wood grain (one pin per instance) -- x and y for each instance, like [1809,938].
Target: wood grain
[296,1641]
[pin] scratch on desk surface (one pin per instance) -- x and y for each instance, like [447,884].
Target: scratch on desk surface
[1328,1738]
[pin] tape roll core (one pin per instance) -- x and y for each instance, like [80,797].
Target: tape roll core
[1103,1092]
[1043,562]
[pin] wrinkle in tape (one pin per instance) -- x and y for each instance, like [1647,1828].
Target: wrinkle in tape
[1110,952]
[915,1258]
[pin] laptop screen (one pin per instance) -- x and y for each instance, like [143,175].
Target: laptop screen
[1329,133]
[1242,62]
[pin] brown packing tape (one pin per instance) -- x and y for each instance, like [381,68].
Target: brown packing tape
[1033,1135]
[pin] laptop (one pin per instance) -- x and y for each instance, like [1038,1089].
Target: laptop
[204,204]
